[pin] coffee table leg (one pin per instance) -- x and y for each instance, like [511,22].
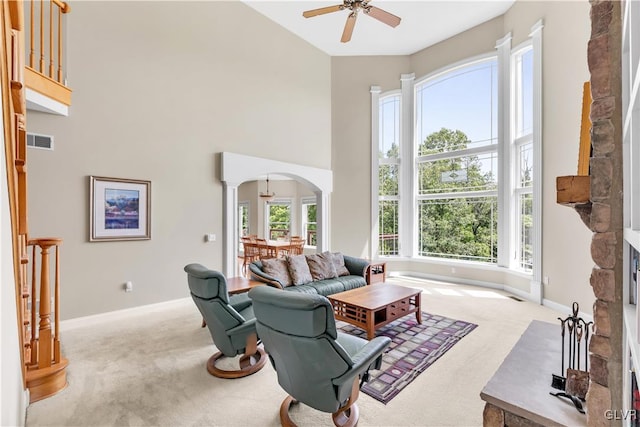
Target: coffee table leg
[371,330]
[419,308]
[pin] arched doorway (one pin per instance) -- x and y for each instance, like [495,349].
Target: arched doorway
[238,168]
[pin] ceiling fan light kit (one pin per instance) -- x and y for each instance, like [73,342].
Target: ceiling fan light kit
[355,6]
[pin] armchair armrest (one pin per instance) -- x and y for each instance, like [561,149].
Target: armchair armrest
[261,276]
[363,360]
[243,329]
[356,266]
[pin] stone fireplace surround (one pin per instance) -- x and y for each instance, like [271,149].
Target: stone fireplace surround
[605,219]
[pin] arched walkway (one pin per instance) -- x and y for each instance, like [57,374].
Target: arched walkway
[238,168]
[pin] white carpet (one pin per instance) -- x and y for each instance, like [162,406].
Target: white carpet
[149,370]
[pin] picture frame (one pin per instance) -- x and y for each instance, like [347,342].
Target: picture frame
[119,209]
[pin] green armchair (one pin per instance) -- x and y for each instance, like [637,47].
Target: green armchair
[316,365]
[231,322]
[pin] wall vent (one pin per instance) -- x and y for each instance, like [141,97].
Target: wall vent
[44,142]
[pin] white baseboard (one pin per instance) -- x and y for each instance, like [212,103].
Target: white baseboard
[97,319]
[448,279]
[534,297]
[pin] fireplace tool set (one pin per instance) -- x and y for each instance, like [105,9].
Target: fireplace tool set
[576,383]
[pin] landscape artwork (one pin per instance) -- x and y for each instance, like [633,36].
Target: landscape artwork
[120,209]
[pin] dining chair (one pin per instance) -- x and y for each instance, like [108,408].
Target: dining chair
[297,245]
[265,251]
[251,253]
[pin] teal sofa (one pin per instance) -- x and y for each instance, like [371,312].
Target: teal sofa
[355,278]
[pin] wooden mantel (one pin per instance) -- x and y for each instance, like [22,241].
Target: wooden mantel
[575,190]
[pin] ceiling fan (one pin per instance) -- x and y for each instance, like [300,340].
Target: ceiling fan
[355,6]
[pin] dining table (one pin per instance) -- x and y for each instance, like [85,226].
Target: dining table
[275,248]
[279,247]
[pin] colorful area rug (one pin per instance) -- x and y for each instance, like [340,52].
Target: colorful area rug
[414,347]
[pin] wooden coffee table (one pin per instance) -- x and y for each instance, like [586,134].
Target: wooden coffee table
[371,307]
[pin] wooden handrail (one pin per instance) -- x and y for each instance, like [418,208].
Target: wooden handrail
[50,35]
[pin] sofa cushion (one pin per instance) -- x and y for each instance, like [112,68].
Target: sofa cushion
[299,269]
[352,282]
[321,266]
[279,269]
[328,287]
[338,263]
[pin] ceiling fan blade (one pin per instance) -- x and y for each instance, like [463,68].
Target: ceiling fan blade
[348,27]
[383,16]
[322,10]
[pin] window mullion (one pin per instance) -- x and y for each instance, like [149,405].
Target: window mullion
[375,148]
[536,36]
[407,184]
[505,208]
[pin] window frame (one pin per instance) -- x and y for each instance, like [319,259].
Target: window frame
[388,161]
[304,203]
[419,197]
[267,217]
[243,205]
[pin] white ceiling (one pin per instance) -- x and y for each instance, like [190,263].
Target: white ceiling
[424,23]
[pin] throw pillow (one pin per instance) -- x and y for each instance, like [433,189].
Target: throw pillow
[299,269]
[321,266]
[338,262]
[277,268]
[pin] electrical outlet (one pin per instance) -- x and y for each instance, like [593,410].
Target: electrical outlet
[545,280]
[209,237]
[128,286]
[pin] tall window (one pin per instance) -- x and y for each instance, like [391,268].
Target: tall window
[279,220]
[522,144]
[388,169]
[457,163]
[243,219]
[309,223]
[456,156]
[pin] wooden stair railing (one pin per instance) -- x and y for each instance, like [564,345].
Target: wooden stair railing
[43,367]
[45,72]
[46,368]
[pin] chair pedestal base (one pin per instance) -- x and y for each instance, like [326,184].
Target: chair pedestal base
[347,416]
[249,364]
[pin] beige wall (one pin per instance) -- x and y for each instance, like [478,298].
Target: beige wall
[566,260]
[352,78]
[159,89]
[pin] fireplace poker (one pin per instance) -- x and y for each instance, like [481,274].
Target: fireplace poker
[579,337]
[562,333]
[570,327]
[586,346]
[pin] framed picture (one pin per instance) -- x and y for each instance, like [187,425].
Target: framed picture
[120,209]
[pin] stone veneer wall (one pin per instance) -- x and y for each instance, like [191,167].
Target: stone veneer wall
[604,59]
